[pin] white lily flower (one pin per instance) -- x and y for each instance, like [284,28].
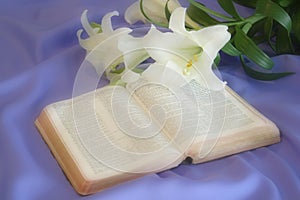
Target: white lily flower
[102,46]
[96,36]
[155,10]
[211,39]
[191,52]
[169,75]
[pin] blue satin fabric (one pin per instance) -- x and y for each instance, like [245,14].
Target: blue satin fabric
[39,56]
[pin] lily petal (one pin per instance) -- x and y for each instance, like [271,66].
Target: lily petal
[133,14]
[155,10]
[96,38]
[91,42]
[211,38]
[133,50]
[172,76]
[130,76]
[86,25]
[163,47]
[203,67]
[177,21]
[106,53]
[106,22]
[169,75]
[102,48]
[154,73]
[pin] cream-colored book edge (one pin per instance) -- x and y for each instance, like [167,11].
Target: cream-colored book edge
[226,145]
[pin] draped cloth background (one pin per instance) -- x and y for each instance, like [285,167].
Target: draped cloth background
[39,57]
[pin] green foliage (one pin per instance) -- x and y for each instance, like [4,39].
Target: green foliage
[274,23]
[261,75]
[167,11]
[245,45]
[201,16]
[228,6]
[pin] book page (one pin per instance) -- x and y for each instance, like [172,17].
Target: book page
[133,135]
[109,134]
[62,115]
[223,113]
[172,109]
[195,113]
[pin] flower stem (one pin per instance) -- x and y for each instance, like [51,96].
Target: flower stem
[252,20]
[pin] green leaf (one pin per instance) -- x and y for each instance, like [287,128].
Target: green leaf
[261,31]
[270,33]
[247,3]
[247,27]
[268,29]
[270,9]
[254,18]
[167,11]
[283,42]
[200,16]
[231,50]
[261,75]
[228,6]
[209,11]
[96,25]
[251,50]
[296,24]
[285,3]
[257,27]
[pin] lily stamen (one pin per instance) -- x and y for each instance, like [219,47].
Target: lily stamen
[189,64]
[186,70]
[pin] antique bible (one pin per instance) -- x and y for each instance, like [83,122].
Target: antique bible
[118,133]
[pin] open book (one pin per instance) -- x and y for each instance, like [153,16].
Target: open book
[115,134]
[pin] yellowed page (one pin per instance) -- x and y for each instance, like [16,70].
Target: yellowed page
[106,144]
[197,118]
